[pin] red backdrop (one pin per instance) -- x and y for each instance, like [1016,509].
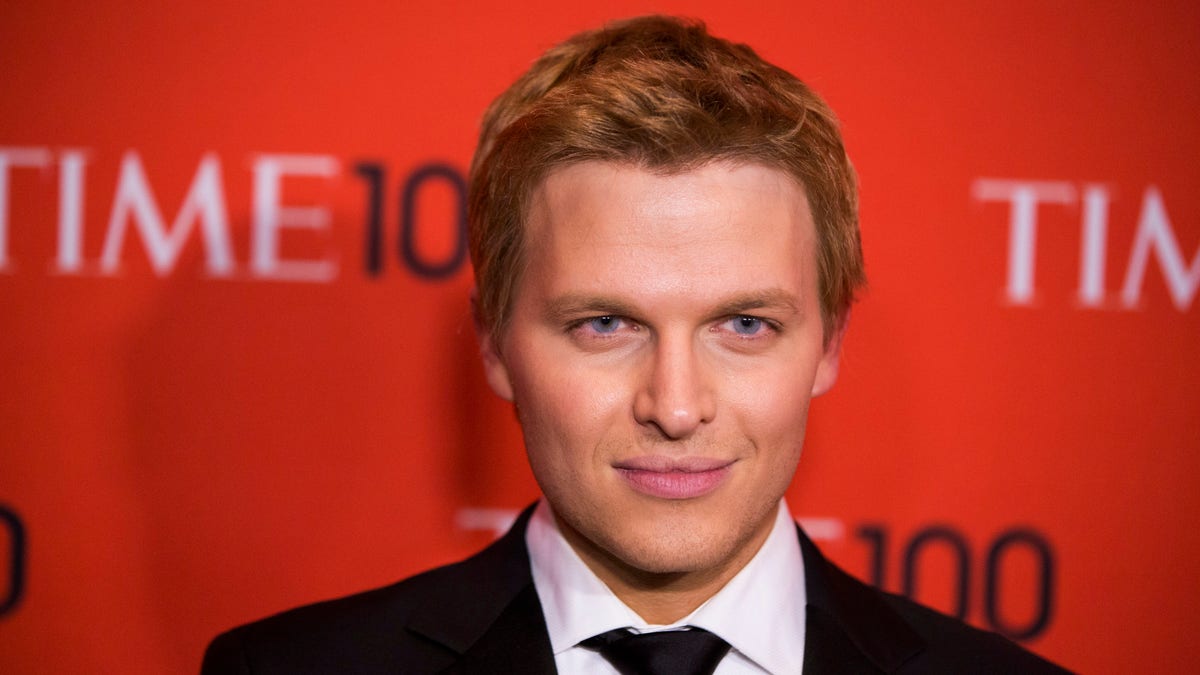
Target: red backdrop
[237,372]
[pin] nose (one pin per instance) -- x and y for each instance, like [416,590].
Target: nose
[676,396]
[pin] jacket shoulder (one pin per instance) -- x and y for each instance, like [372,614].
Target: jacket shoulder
[853,622]
[365,632]
[422,623]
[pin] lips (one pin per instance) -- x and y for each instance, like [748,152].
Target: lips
[674,477]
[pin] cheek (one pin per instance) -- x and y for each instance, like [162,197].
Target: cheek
[773,410]
[565,413]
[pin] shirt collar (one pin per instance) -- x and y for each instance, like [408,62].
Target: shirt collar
[760,612]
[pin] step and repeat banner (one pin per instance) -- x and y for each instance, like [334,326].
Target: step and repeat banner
[237,369]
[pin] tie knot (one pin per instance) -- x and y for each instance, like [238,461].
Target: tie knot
[672,652]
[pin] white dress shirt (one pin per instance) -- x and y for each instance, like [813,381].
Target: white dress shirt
[760,612]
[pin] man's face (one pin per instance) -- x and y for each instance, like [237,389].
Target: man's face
[663,347]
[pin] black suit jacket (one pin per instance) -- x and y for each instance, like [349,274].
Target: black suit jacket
[482,615]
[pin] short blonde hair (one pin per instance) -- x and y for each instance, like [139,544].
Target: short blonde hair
[663,94]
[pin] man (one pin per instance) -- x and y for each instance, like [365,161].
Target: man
[666,247]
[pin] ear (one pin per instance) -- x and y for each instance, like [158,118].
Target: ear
[494,368]
[827,368]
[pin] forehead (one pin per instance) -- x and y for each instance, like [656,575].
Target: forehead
[617,227]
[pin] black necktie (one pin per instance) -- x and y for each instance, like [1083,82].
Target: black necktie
[672,652]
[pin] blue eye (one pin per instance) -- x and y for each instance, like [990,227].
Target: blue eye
[605,324]
[746,325]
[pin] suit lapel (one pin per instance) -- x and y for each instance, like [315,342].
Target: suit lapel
[485,610]
[849,629]
[517,642]
[828,650]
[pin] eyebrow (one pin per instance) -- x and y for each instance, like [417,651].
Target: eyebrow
[573,305]
[772,298]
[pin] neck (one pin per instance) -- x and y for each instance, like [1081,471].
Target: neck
[666,598]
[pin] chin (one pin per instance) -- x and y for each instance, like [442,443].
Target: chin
[663,561]
[670,547]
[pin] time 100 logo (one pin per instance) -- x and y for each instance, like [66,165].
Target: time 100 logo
[1003,554]
[12,584]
